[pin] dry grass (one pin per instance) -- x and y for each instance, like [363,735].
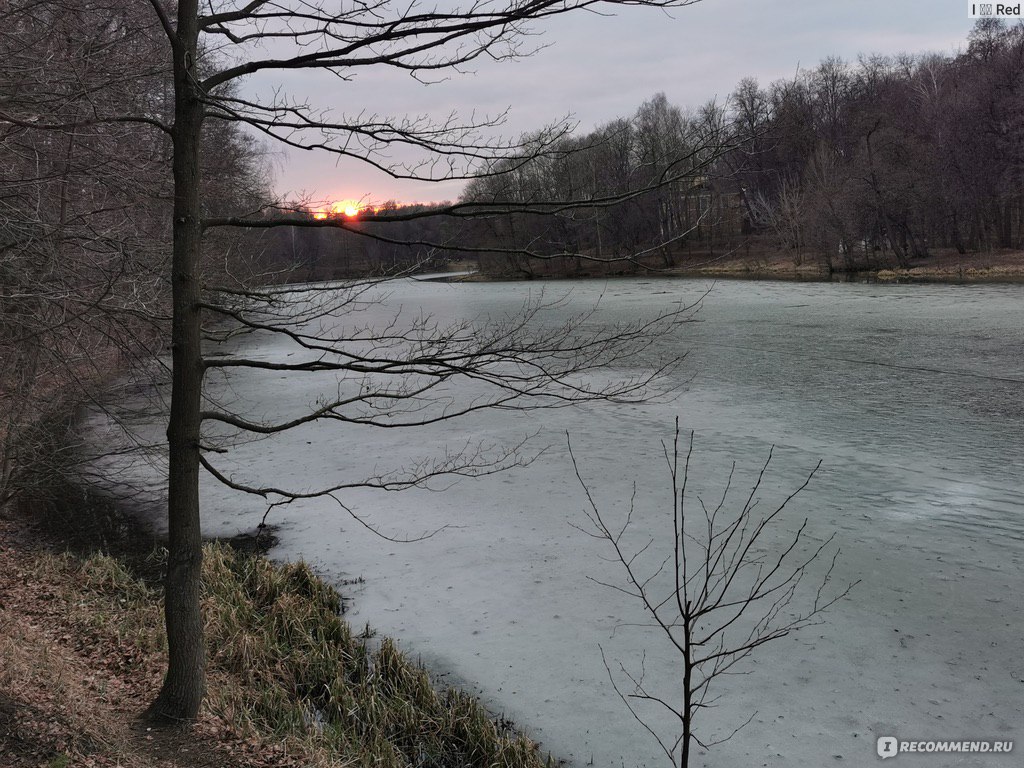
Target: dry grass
[69,691]
[283,662]
[289,680]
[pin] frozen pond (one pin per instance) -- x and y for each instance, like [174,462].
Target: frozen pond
[912,396]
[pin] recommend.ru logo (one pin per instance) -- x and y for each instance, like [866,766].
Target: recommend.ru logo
[890,746]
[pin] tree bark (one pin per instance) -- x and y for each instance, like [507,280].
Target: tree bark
[182,693]
[688,692]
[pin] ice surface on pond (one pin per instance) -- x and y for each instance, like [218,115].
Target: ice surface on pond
[911,395]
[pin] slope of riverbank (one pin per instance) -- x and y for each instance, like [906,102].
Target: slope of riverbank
[290,683]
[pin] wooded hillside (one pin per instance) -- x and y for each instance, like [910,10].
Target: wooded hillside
[857,165]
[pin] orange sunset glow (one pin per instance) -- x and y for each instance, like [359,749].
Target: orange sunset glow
[348,208]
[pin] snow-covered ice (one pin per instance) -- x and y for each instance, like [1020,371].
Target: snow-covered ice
[913,396]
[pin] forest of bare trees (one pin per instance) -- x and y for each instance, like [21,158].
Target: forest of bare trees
[849,165]
[853,165]
[85,196]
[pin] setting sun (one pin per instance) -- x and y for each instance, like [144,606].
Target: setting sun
[348,208]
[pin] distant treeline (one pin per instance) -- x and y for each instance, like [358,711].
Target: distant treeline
[342,246]
[851,165]
[878,162]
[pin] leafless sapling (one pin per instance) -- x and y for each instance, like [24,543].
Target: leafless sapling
[712,590]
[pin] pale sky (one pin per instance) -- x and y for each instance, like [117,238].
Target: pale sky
[599,68]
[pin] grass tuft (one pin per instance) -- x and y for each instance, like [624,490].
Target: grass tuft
[284,666]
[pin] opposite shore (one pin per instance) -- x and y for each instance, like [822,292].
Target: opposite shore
[945,267]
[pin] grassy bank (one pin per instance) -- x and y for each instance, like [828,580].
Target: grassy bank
[290,682]
[942,266]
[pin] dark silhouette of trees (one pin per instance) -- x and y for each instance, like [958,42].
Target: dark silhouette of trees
[893,158]
[632,192]
[863,165]
[84,207]
[81,235]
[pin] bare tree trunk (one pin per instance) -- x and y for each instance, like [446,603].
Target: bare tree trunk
[897,239]
[183,688]
[1006,224]
[688,692]
[958,240]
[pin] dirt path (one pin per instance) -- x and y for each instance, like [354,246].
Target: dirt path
[73,698]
